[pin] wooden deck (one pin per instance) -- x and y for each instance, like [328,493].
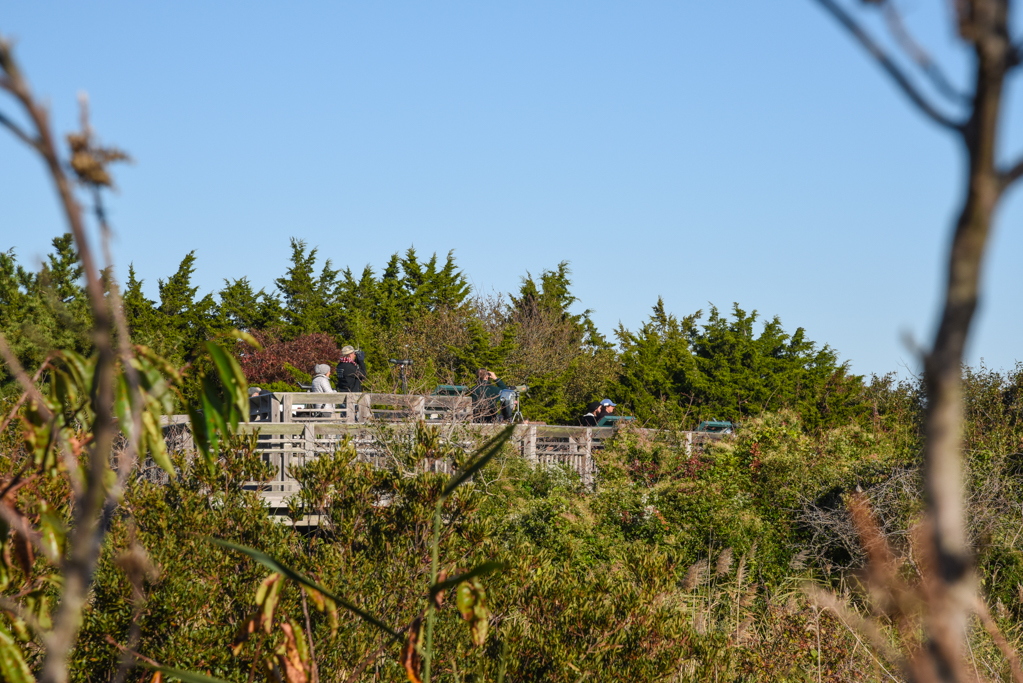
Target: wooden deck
[292,433]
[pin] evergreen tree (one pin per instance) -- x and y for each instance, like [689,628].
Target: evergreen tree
[188,323]
[309,302]
[482,352]
[43,311]
[559,354]
[245,309]
[145,322]
[63,272]
[724,370]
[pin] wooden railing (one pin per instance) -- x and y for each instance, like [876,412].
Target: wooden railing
[292,432]
[351,408]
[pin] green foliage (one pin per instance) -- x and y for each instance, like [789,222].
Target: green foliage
[244,309]
[678,562]
[723,370]
[307,300]
[45,311]
[670,370]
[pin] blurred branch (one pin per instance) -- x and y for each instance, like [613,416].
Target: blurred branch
[126,464]
[826,599]
[24,394]
[26,382]
[1003,645]
[86,535]
[890,66]
[8,605]
[1011,175]
[18,132]
[950,593]
[919,55]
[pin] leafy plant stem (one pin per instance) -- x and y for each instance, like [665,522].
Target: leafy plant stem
[431,614]
[309,636]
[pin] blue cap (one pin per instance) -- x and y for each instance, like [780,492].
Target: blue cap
[608,402]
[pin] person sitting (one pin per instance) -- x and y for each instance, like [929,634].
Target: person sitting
[351,370]
[321,385]
[485,396]
[596,410]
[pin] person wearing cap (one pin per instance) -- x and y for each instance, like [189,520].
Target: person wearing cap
[597,410]
[351,370]
[321,385]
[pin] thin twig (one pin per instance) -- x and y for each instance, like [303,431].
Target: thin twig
[86,535]
[19,373]
[19,522]
[854,622]
[18,611]
[18,132]
[919,55]
[1014,173]
[996,635]
[889,66]
[24,394]
[136,655]
[309,637]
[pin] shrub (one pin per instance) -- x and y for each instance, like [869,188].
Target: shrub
[271,363]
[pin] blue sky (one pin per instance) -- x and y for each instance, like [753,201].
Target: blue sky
[705,152]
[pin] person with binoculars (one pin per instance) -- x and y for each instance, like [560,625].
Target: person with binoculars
[351,370]
[485,396]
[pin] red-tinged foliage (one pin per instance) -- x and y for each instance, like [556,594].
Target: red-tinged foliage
[302,352]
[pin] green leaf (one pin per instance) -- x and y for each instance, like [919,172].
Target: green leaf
[485,568]
[64,388]
[486,454]
[52,532]
[185,676]
[157,445]
[233,379]
[274,565]
[200,433]
[244,336]
[12,664]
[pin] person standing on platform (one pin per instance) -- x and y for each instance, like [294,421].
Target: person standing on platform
[351,370]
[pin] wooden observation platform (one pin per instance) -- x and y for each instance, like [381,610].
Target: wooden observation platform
[294,428]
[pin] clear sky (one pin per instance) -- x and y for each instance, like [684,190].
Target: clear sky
[729,151]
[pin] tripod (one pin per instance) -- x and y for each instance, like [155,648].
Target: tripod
[402,364]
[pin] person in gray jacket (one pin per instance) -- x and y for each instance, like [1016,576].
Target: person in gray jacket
[321,385]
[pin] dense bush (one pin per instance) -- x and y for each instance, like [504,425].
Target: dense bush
[270,364]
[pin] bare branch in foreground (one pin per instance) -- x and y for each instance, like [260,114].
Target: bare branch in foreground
[1010,176]
[86,534]
[1003,645]
[23,379]
[890,66]
[18,132]
[920,56]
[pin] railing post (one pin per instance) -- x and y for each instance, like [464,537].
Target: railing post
[365,406]
[587,473]
[286,405]
[309,441]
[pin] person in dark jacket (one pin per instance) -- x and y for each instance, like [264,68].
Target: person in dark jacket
[351,370]
[597,410]
[485,396]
